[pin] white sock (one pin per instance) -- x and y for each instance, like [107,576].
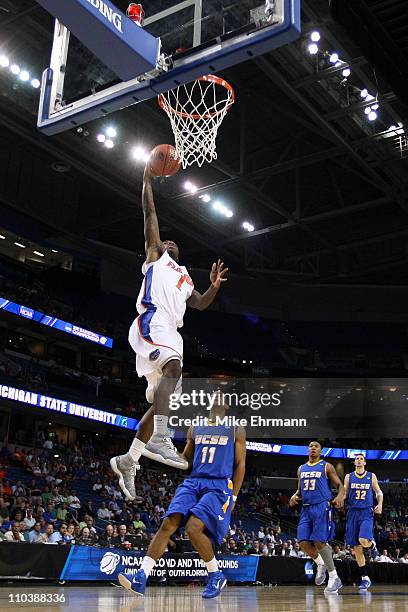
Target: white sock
[333,574]
[136,449]
[147,565]
[160,424]
[318,560]
[212,566]
[365,578]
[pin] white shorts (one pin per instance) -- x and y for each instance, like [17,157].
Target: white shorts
[154,347]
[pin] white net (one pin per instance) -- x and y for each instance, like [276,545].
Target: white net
[196,111]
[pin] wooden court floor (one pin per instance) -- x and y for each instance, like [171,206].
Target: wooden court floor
[188,599]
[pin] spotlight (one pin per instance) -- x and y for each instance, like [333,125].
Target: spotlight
[364,93]
[138,153]
[248,226]
[15,69]
[24,75]
[313,48]
[217,206]
[22,246]
[194,189]
[101,138]
[54,251]
[188,185]
[334,58]
[38,253]
[374,106]
[372,116]
[346,72]
[109,144]
[111,132]
[205,198]
[369,97]
[229,214]
[4,61]
[367,110]
[3,237]
[35,83]
[146,157]
[315,36]
[392,128]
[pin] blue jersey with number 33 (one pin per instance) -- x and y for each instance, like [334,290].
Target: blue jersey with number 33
[314,485]
[214,452]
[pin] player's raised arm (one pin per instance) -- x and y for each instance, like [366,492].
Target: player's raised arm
[151,224]
[338,501]
[217,277]
[379,495]
[239,461]
[296,496]
[346,485]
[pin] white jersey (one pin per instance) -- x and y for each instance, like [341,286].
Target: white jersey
[165,291]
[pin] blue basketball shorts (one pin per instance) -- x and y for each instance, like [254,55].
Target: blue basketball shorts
[210,500]
[316,523]
[359,524]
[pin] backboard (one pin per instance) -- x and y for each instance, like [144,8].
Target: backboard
[179,42]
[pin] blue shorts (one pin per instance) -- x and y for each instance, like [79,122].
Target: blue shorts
[359,524]
[316,523]
[210,500]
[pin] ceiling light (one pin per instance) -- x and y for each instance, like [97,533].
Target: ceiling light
[313,48]
[138,153]
[146,157]
[15,69]
[346,72]
[54,251]
[35,83]
[101,138]
[109,144]
[217,206]
[38,253]
[3,237]
[193,189]
[24,75]
[22,246]
[372,116]
[205,198]
[229,214]
[4,61]
[111,132]
[334,58]
[188,185]
[367,110]
[364,93]
[374,106]
[315,36]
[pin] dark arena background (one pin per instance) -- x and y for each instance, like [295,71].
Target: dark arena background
[307,205]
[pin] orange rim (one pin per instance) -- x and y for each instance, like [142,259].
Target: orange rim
[212,79]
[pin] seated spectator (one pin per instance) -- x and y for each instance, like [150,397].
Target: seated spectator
[384,557]
[123,538]
[50,514]
[35,534]
[104,513]
[60,536]
[85,538]
[108,538]
[14,535]
[29,519]
[138,523]
[73,501]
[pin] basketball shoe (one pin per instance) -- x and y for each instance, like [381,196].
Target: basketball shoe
[137,585]
[364,584]
[333,585]
[320,575]
[161,448]
[216,582]
[125,468]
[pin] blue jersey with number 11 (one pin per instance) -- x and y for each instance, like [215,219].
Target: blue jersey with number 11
[214,452]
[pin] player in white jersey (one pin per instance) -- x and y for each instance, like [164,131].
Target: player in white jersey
[166,290]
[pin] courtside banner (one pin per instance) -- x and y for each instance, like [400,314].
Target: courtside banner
[87,563]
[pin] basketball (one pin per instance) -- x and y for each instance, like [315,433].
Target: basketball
[164,161]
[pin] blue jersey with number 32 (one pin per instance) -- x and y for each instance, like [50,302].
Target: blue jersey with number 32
[360,490]
[214,452]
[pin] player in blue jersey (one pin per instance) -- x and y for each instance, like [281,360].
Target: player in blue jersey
[203,502]
[315,528]
[359,487]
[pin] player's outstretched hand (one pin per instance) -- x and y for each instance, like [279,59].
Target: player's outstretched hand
[378,510]
[217,274]
[295,499]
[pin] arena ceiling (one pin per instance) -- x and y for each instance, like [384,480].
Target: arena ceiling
[325,188]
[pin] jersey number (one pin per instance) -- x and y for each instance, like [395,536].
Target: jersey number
[309,485]
[208,451]
[183,278]
[360,494]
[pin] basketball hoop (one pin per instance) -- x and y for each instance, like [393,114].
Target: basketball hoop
[196,111]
